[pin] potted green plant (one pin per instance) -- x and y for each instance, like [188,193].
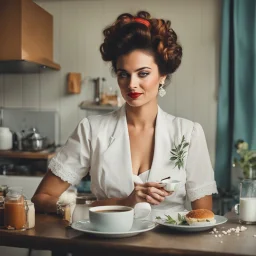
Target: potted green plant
[246,159]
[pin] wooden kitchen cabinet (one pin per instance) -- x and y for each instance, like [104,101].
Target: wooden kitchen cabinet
[26,34]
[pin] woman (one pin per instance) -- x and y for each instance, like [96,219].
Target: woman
[129,150]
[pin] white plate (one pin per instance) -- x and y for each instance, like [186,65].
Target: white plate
[187,228]
[139,226]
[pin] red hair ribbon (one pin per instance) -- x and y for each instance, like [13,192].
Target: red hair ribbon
[143,21]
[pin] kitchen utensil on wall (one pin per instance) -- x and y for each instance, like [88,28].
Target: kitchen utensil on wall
[5,138]
[97,91]
[34,141]
[74,83]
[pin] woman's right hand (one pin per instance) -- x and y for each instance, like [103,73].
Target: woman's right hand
[150,192]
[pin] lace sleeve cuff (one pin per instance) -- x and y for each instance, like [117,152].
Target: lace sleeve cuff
[64,173]
[199,192]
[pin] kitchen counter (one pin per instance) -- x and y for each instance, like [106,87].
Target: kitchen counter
[44,154]
[52,233]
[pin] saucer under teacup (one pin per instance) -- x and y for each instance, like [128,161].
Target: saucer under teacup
[117,218]
[139,226]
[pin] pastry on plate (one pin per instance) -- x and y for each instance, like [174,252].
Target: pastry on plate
[200,217]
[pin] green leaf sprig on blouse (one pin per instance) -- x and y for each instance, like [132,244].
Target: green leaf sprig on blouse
[178,153]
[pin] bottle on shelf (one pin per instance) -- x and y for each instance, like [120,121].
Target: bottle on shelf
[97,91]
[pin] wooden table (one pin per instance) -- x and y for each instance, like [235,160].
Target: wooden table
[52,233]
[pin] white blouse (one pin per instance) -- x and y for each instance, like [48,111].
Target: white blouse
[100,144]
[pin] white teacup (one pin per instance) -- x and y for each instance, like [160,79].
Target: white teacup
[116,218]
[171,185]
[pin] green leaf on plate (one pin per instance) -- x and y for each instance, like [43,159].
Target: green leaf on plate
[170,220]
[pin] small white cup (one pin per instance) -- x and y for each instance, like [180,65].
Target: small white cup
[116,218]
[171,186]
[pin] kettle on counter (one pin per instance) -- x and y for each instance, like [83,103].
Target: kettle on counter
[30,140]
[33,141]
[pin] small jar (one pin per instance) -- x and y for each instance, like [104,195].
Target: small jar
[68,211]
[5,138]
[30,214]
[3,190]
[81,209]
[15,209]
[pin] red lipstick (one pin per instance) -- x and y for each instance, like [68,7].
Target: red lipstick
[134,95]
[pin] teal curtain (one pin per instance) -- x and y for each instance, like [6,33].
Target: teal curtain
[237,91]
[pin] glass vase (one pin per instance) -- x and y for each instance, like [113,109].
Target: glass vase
[249,172]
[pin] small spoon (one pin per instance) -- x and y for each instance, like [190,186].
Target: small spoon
[166,178]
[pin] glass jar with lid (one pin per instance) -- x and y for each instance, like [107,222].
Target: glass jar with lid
[81,209]
[15,209]
[3,190]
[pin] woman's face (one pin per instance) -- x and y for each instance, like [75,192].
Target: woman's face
[138,77]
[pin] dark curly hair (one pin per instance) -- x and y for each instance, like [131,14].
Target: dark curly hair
[126,35]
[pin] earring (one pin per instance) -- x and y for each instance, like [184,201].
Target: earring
[161,90]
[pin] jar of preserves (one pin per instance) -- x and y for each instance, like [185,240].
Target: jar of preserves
[15,209]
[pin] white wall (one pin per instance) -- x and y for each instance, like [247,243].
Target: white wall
[77,36]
